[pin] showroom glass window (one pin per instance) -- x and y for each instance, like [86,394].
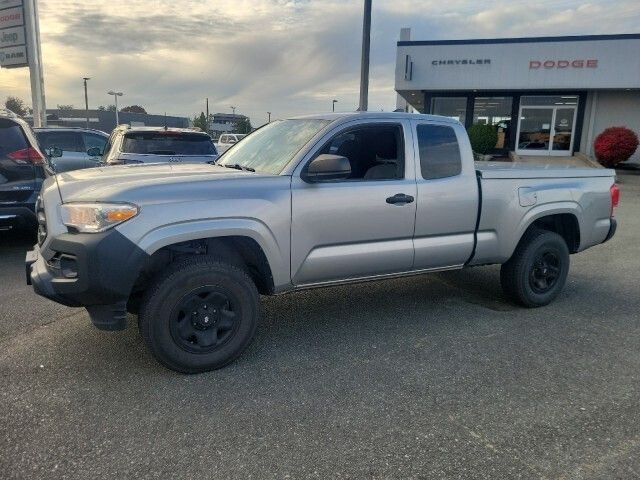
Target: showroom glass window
[452,107]
[495,111]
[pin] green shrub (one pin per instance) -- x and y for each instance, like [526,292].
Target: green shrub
[483,137]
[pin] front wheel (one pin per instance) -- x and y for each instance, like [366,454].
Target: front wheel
[199,315]
[536,273]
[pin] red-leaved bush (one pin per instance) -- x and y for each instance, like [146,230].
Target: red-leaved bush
[615,145]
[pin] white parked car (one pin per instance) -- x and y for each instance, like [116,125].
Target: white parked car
[227,140]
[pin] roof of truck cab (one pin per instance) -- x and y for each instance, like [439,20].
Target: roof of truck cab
[375,115]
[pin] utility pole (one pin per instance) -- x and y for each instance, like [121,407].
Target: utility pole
[86,99]
[207,117]
[269,117]
[364,65]
[116,95]
[333,105]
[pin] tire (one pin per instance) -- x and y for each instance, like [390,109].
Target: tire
[199,315]
[537,271]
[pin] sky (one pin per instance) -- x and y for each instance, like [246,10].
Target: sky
[284,56]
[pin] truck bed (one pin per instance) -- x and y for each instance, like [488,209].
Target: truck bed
[513,195]
[522,171]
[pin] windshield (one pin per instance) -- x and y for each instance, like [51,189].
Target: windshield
[272,147]
[169,143]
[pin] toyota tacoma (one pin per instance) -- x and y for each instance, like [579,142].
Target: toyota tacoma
[303,202]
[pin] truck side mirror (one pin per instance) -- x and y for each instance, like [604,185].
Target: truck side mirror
[328,167]
[54,152]
[94,152]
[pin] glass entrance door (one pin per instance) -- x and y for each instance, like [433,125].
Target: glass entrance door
[534,130]
[563,130]
[546,130]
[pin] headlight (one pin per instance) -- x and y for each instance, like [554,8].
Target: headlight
[96,217]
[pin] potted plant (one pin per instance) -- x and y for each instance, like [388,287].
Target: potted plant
[483,138]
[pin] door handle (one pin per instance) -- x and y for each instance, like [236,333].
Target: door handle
[400,198]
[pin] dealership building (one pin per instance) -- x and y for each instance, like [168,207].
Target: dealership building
[547,96]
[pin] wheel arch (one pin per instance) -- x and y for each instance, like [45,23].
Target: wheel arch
[246,243]
[562,218]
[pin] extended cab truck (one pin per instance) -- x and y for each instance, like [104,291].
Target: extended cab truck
[303,202]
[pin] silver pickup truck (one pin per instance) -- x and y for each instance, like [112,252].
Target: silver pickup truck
[303,202]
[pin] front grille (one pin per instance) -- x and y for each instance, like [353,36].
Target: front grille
[42,220]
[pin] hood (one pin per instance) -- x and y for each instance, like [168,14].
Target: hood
[122,183]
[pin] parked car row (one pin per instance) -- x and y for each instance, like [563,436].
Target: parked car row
[28,155]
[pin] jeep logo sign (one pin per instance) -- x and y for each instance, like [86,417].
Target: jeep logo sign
[550,64]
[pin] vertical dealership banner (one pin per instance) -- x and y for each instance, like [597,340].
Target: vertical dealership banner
[20,47]
[13,45]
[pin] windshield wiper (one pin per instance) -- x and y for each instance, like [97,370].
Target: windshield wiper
[237,166]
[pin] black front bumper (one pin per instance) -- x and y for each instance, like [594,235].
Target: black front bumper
[92,270]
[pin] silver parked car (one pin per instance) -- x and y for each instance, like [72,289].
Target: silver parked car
[129,145]
[300,203]
[71,148]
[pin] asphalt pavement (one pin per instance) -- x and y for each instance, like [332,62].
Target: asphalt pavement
[436,376]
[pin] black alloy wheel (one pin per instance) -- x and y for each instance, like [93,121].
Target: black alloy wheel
[545,272]
[199,314]
[537,271]
[204,319]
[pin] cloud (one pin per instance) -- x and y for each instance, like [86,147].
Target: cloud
[283,56]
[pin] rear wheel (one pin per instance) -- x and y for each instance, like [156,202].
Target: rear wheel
[199,315]
[536,273]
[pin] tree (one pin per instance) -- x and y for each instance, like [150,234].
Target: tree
[16,105]
[200,121]
[65,107]
[243,126]
[133,109]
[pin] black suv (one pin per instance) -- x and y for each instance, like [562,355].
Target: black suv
[23,167]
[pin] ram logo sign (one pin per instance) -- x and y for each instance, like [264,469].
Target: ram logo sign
[13,57]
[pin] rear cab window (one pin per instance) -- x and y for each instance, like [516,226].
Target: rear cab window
[91,140]
[168,143]
[439,151]
[65,141]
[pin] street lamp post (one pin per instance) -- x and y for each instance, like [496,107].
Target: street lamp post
[116,95]
[269,117]
[233,109]
[364,64]
[333,105]
[86,99]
